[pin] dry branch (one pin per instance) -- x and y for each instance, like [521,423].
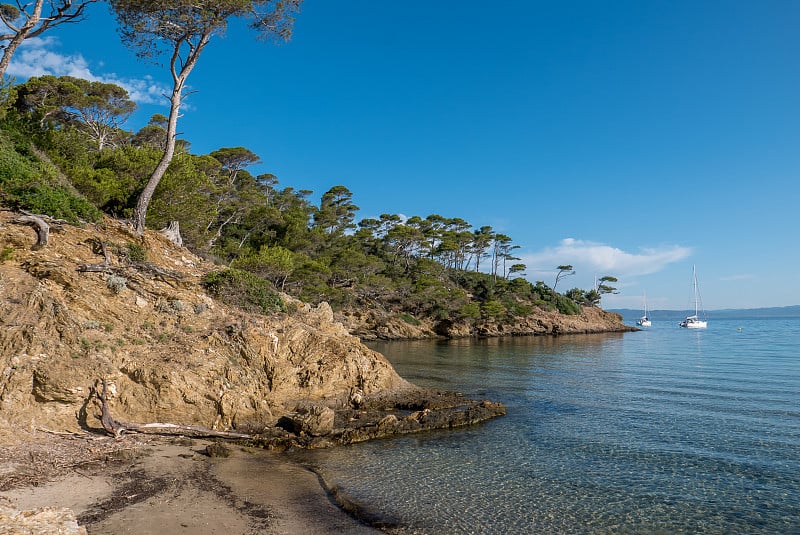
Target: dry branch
[95,268]
[157,272]
[117,428]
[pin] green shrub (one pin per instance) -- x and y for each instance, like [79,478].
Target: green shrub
[494,309]
[565,305]
[29,184]
[470,311]
[136,252]
[57,202]
[244,290]
[518,310]
[411,320]
[337,298]
[6,254]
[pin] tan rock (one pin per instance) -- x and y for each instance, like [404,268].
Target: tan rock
[186,359]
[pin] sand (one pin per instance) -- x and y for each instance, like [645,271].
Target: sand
[172,486]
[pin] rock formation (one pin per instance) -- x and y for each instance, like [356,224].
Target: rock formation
[76,312]
[383,325]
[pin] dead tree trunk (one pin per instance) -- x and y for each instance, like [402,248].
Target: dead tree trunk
[173,233]
[42,228]
[117,428]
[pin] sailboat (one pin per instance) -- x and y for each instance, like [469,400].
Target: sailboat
[694,321]
[644,321]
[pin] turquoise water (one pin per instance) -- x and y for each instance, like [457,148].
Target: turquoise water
[660,431]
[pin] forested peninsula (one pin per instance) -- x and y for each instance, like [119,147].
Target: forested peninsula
[390,277]
[66,154]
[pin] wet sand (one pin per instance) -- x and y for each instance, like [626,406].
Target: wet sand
[174,487]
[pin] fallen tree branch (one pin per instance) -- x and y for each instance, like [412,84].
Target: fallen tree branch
[95,268]
[57,224]
[117,428]
[98,247]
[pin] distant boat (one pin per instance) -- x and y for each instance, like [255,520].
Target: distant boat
[644,321]
[694,321]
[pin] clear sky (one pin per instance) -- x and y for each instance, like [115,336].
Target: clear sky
[631,138]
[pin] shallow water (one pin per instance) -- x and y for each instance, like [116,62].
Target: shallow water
[659,431]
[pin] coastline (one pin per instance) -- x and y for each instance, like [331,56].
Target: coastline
[159,485]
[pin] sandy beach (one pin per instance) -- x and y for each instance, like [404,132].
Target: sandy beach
[171,486]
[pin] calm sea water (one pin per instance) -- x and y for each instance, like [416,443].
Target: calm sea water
[660,431]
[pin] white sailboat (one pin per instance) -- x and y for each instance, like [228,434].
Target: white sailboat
[644,321]
[694,321]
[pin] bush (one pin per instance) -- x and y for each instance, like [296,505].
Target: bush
[567,306]
[411,320]
[56,202]
[26,183]
[136,252]
[244,290]
[116,283]
[470,311]
[7,253]
[494,309]
[518,310]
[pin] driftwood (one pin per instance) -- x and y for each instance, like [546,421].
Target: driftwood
[128,270]
[117,427]
[42,224]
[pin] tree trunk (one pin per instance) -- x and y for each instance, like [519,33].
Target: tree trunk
[173,233]
[140,211]
[20,36]
[117,428]
[179,79]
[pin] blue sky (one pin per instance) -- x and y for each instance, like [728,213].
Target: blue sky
[627,138]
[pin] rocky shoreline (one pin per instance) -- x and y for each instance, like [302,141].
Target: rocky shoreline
[168,352]
[381,325]
[165,357]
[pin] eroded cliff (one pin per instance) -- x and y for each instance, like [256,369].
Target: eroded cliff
[168,351]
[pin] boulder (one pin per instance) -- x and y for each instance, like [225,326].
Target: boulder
[315,420]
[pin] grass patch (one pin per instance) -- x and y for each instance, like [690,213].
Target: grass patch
[411,320]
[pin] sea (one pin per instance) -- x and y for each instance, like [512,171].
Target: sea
[665,430]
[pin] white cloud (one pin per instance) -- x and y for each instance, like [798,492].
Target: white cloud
[591,257]
[743,276]
[38,57]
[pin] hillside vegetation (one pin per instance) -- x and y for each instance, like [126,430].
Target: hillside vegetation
[102,307]
[390,277]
